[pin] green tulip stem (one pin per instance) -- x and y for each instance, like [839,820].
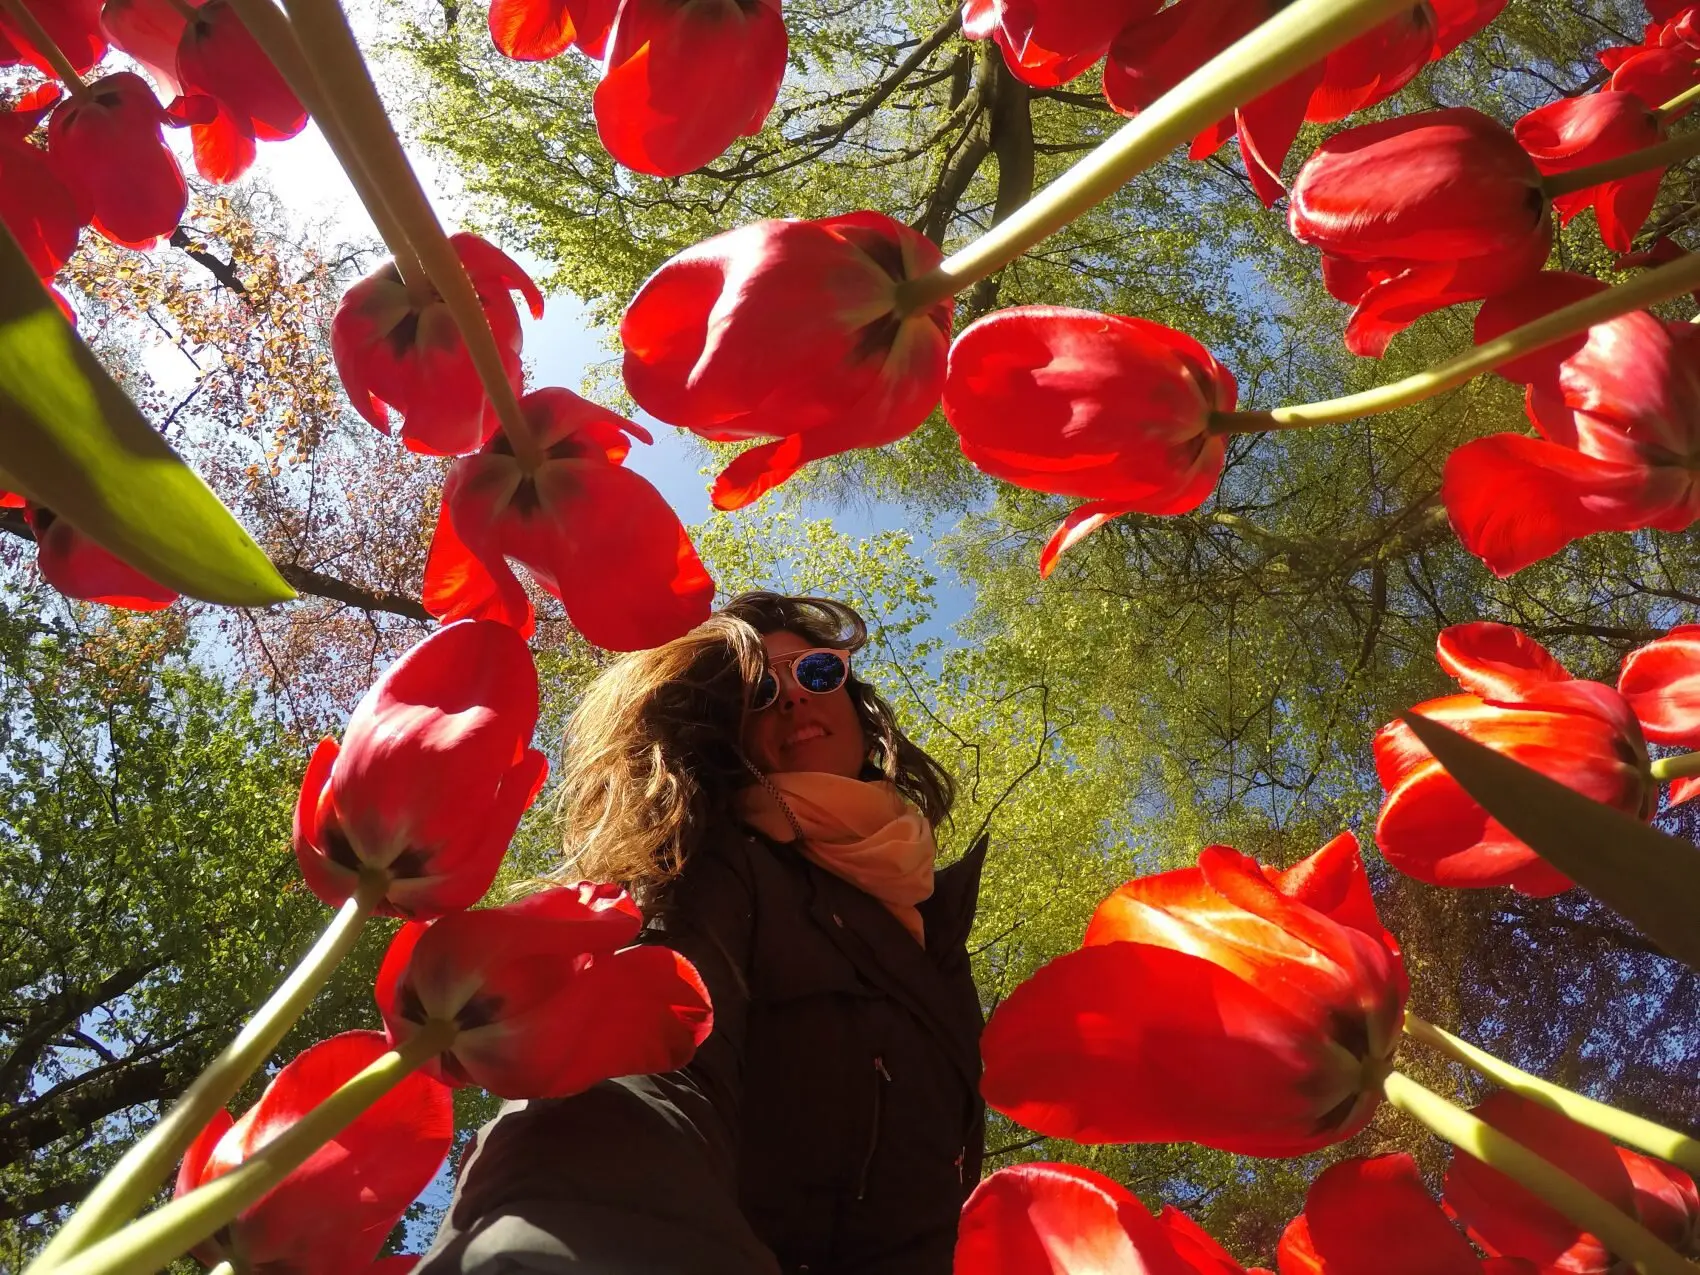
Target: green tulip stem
[1659,284]
[1620,1126]
[1626,1238]
[1680,766]
[1679,104]
[335,59]
[147,1245]
[1298,36]
[276,37]
[1664,154]
[133,1180]
[35,35]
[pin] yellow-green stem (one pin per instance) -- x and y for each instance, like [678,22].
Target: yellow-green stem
[1620,1126]
[1678,104]
[276,37]
[1659,284]
[135,1177]
[1299,35]
[148,1244]
[35,35]
[341,70]
[1678,767]
[1663,155]
[1620,1233]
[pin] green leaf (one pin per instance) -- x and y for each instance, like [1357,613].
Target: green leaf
[1650,878]
[71,440]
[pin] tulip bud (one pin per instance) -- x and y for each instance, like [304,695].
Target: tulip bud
[432,776]
[546,994]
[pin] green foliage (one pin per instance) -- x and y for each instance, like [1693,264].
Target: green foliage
[149,899]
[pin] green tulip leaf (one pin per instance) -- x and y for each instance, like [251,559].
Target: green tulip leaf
[71,440]
[1648,877]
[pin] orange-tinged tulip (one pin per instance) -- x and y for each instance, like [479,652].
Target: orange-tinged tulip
[1229,1004]
[1521,702]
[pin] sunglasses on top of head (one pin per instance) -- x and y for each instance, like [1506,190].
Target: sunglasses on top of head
[819,671]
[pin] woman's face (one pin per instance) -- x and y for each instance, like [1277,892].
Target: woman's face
[800,731]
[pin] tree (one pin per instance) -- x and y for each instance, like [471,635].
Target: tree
[150,894]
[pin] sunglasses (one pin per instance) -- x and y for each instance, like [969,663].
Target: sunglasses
[820,671]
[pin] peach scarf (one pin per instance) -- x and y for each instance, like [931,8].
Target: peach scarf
[865,832]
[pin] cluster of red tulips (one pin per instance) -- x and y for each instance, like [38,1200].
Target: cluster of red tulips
[411,815]
[1229,1004]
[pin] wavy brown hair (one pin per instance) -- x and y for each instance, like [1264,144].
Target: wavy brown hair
[652,755]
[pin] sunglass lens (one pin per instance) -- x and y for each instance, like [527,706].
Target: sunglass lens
[819,672]
[767,690]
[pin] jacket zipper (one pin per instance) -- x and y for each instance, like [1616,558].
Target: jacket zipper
[882,1078]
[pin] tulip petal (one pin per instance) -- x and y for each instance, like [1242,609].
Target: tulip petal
[682,82]
[1661,681]
[1060,1219]
[79,568]
[460,585]
[1514,500]
[1375,1217]
[1197,1248]
[534,30]
[1080,523]
[1496,661]
[1548,291]
[334,1211]
[1505,1218]
[1083,1050]
[1268,126]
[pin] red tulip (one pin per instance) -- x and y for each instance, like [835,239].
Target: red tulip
[44,214]
[1061,1219]
[547,995]
[1375,1217]
[1110,408]
[79,568]
[684,79]
[1505,1218]
[1661,681]
[1576,131]
[74,25]
[588,530]
[1618,411]
[218,57]
[1520,702]
[532,30]
[434,772]
[392,347]
[1666,1201]
[1417,213]
[1048,42]
[788,330]
[1150,57]
[149,31]
[110,146]
[1458,20]
[334,1211]
[1228,1004]
[1656,74]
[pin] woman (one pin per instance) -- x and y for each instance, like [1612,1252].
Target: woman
[776,827]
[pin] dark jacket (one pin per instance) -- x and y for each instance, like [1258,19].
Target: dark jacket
[830,1124]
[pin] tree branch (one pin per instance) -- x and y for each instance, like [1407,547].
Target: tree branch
[223,271]
[302,579]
